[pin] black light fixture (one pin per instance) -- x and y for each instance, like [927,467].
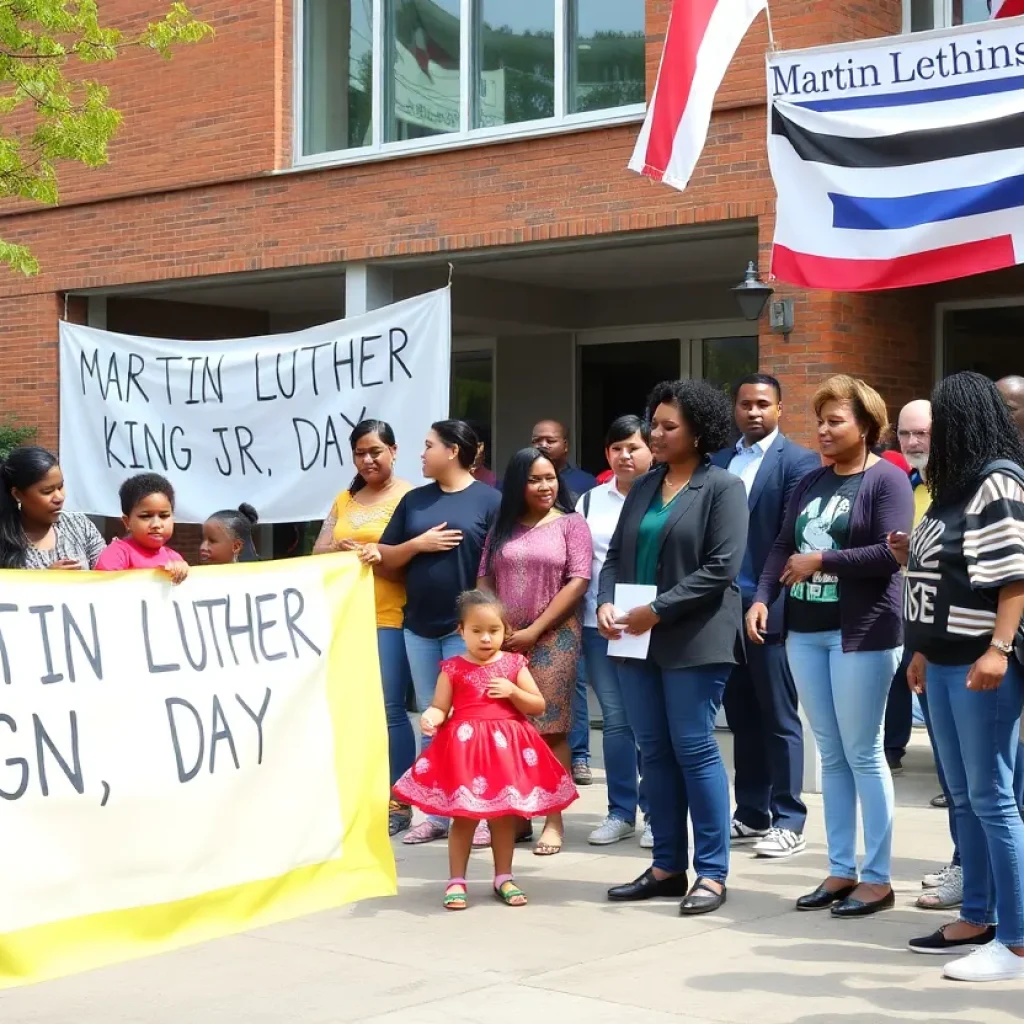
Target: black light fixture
[752,294]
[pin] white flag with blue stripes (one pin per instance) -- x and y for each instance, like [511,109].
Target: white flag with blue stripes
[900,161]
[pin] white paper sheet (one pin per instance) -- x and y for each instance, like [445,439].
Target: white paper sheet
[627,597]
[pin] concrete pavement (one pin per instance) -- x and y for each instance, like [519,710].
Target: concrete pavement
[570,956]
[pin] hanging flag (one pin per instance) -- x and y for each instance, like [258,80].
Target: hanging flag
[702,38]
[898,162]
[1007,8]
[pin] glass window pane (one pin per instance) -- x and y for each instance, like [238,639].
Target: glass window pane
[922,15]
[337,71]
[422,83]
[966,12]
[472,395]
[516,61]
[606,54]
[726,360]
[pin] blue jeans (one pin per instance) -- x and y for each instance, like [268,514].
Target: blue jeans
[672,712]
[579,728]
[425,654]
[943,785]
[977,732]
[621,764]
[844,695]
[395,677]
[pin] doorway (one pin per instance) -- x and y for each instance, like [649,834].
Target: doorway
[613,380]
[984,337]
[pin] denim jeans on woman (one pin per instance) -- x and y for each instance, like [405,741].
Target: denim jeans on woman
[621,764]
[425,654]
[672,713]
[396,680]
[976,732]
[844,695]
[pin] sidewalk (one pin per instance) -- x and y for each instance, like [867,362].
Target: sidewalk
[570,956]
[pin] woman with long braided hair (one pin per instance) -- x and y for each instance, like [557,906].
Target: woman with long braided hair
[963,604]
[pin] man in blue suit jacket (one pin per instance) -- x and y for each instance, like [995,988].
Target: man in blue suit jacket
[760,697]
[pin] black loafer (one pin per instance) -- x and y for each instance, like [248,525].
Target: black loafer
[647,887]
[863,908]
[701,899]
[938,944]
[822,899]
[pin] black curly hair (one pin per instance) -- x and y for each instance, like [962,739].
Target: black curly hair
[706,410]
[971,427]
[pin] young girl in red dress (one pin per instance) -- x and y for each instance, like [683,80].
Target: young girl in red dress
[487,761]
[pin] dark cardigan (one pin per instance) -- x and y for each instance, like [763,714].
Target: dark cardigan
[870,585]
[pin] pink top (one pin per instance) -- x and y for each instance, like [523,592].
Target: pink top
[129,554]
[536,563]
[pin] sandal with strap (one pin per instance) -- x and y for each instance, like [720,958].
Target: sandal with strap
[455,900]
[701,899]
[512,896]
[544,848]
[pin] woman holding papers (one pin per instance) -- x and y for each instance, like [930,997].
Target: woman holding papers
[679,546]
[537,561]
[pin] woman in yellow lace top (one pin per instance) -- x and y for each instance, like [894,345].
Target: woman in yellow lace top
[358,517]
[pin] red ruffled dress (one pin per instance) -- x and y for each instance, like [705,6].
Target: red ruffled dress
[487,760]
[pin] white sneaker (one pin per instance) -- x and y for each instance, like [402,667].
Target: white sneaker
[611,830]
[993,962]
[780,842]
[647,837]
[739,833]
[936,878]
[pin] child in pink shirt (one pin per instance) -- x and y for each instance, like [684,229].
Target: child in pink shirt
[147,501]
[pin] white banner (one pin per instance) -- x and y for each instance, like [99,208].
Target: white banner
[264,420]
[185,762]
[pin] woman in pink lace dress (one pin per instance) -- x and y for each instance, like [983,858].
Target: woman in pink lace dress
[537,560]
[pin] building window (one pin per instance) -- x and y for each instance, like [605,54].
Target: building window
[380,75]
[921,15]
[337,74]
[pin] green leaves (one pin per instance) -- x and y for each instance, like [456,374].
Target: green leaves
[47,112]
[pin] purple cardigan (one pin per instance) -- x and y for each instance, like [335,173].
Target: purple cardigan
[871,588]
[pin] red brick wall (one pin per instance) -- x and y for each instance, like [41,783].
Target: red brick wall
[202,131]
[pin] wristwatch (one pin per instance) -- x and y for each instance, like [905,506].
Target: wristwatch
[1001,646]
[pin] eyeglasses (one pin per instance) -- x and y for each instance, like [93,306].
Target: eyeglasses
[915,435]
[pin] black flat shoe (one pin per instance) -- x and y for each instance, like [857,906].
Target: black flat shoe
[822,899]
[938,944]
[647,887]
[863,908]
[701,899]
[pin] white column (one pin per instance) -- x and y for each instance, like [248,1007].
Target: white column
[367,287]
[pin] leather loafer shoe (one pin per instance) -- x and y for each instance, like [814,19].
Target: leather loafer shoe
[647,887]
[861,908]
[822,899]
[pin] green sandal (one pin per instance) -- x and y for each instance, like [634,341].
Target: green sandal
[513,892]
[455,900]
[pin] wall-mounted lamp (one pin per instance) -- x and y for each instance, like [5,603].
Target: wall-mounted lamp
[752,294]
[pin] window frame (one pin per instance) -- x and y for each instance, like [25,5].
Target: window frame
[379,149]
[942,16]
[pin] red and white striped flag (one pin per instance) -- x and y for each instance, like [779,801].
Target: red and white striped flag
[1007,8]
[702,38]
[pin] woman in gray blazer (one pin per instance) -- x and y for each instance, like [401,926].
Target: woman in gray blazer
[683,529]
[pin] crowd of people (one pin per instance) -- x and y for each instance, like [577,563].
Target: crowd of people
[855,581]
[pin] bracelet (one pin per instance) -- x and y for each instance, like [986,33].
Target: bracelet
[1001,646]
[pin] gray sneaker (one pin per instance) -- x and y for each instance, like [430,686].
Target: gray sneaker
[611,830]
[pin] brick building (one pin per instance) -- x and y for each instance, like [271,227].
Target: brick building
[321,157]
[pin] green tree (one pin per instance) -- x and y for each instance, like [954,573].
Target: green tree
[50,110]
[13,434]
